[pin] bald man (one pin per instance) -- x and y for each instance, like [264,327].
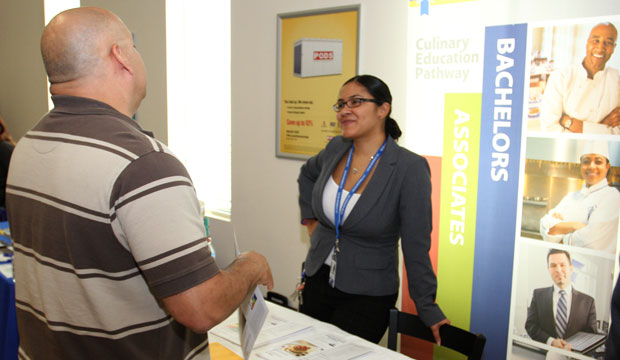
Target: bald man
[110,254]
[585,98]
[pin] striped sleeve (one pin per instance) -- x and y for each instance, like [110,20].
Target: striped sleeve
[155,211]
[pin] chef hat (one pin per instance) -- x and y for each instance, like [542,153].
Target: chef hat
[595,147]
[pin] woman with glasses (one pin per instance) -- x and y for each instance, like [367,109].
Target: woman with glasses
[358,196]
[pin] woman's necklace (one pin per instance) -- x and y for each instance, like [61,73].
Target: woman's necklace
[355,170]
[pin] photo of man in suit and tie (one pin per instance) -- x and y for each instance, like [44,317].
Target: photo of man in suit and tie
[559,311]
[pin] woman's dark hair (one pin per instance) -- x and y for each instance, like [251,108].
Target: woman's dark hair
[381,92]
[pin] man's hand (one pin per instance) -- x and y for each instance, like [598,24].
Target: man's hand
[210,302]
[261,268]
[562,344]
[612,119]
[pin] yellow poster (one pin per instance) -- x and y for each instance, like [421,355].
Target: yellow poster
[317,54]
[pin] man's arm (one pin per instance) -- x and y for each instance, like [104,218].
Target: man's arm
[601,231]
[566,227]
[207,304]
[608,125]
[612,119]
[551,107]
[532,323]
[591,324]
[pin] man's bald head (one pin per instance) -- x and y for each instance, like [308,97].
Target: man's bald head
[75,41]
[599,47]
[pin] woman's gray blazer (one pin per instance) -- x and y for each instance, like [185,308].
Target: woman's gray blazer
[395,203]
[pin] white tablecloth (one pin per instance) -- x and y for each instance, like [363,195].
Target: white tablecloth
[315,326]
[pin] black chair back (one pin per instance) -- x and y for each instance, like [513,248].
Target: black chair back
[463,341]
[279,299]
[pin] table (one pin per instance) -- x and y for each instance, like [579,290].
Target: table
[9,338]
[314,327]
[8,319]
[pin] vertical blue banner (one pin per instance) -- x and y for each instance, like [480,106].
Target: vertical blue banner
[498,183]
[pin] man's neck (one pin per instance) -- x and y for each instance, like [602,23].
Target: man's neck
[589,71]
[564,287]
[90,92]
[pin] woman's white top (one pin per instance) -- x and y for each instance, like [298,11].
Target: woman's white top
[329,202]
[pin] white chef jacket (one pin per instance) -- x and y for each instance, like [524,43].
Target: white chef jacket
[570,91]
[598,207]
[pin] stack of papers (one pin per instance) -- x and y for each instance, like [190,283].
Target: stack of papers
[252,314]
[320,345]
[273,330]
[273,337]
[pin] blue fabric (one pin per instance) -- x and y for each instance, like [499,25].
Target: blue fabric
[4,225]
[8,319]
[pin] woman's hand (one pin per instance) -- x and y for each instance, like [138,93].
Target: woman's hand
[311,225]
[435,330]
[4,132]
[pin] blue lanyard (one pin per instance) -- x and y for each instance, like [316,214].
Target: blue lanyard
[339,212]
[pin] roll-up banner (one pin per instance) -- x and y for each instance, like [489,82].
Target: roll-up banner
[517,122]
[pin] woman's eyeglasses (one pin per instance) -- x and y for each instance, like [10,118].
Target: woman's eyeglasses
[353,103]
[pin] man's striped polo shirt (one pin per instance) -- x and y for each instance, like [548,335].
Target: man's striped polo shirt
[105,223]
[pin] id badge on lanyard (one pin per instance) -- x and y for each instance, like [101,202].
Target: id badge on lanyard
[339,211]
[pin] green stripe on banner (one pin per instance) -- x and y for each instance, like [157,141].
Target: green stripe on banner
[457,213]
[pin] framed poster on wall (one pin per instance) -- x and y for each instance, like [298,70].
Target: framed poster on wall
[317,53]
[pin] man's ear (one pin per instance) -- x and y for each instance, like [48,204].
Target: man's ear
[119,56]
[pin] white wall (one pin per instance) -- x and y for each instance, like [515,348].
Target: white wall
[23,85]
[146,19]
